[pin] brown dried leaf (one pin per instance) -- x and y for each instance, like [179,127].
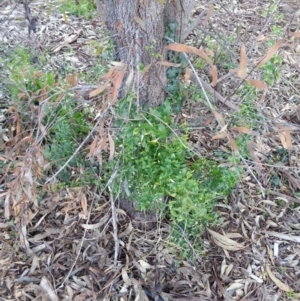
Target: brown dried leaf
[48,232]
[202,54]
[189,49]
[103,220]
[139,21]
[218,117]
[295,34]
[242,129]
[139,292]
[67,41]
[117,84]
[285,138]
[18,128]
[102,144]
[99,158]
[270,53]
[128,81]
[214,75]
[121,65]
[208,120]
[187,74]
[285,236]
[233,144]
[72,80]
[180,48]
[260,85]
[34,264]
[125,277]
[225,242]
[280,284]
[219,136]
[145,264]
[209,13]
[26,139]
[48,289]
[242,72]
[109,74]
[234,235]
[97,91]
[235,286]
[92,148]
[168,64]
[84,205]
[111,147]
[127,231]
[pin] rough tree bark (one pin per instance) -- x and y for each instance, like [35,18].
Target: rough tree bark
[138,29]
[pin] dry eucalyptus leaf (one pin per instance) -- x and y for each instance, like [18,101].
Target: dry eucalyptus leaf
[270,53]
[280,284]
[242,72]
[145,264]
[127,231]
[125,277]
[235,286]
[259,85]
[225,242]
[95,226]
[97,91]
[168,64]
[48,289]
[284,236]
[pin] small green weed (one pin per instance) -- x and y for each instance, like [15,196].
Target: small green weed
[85,8]
[242,143]
[65,122]
[160,172]
[272,10]
[23,72]
[222,57]
[248,115]
[272,70]
[292,295]
[70,126]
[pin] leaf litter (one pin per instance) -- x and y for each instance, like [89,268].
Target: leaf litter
[254,254]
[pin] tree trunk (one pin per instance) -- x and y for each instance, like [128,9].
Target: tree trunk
[138,29]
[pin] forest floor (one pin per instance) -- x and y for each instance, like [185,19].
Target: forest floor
[59,242]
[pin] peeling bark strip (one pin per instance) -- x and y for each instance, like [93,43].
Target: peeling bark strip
[138,29]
